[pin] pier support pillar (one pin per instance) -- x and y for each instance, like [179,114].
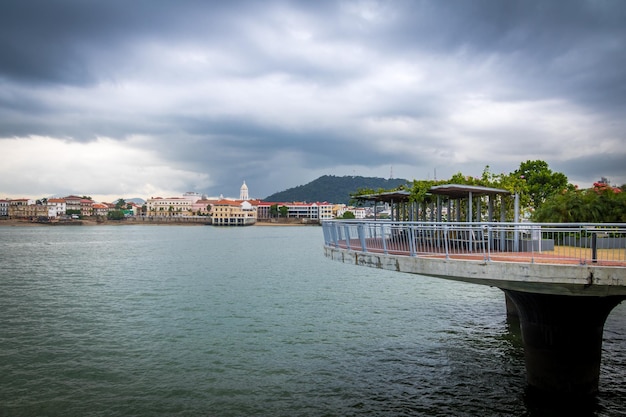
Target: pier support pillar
[562,338]
[511,308]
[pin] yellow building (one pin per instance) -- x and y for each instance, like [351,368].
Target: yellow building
[233,213]
[26,209]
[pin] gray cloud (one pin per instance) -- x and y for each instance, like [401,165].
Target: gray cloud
[279,92]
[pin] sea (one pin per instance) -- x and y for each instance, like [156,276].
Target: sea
[254,321]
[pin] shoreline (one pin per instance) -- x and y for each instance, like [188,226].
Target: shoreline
[89,222]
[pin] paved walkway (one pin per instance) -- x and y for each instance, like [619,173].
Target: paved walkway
[561,255]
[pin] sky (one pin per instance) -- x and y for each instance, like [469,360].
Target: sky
[150,98]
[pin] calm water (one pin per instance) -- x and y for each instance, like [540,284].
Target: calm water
[192,320]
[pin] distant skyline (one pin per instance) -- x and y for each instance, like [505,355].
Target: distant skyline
[156,98]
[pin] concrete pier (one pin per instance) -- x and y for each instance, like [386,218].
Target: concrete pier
[562,338]
[561,310]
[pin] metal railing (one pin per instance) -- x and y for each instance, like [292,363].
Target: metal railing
[574,243]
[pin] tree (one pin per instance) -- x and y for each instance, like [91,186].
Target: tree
[120,204]
[284,211]
[599,204]
[348,215]
[274,210]
[541,182]
[115,215]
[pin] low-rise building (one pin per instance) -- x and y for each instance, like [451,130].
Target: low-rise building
[56,207]
[73,204]
[4,208]
[233,213]
[23,208]
[172,206]
[202,207]
[359,212]
[86,207]
[297,210]
[100,209]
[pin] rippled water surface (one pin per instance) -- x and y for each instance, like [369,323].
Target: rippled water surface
[192,320]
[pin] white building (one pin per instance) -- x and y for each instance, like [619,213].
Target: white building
[171,206]
[4,208]
[298,210]
[57,207]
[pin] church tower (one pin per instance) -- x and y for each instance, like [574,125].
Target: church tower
[243,192]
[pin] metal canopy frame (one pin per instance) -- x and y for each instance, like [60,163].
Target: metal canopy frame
[449,191]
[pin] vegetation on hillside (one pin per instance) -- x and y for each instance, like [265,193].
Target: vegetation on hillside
[334,189]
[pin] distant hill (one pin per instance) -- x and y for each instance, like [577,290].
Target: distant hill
[333,189]
[137,200]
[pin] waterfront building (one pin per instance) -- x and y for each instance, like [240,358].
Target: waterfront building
[4,208]
[73,203]
[100,209]
[233,213]
[23,208]
[172,206]
[298,210]
[202,207]
[57,207]
[86,207]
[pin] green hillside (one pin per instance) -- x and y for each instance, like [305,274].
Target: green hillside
[333,189]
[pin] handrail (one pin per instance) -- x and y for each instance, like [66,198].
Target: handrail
[576,243]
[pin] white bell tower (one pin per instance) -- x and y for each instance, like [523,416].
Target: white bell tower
[243,192]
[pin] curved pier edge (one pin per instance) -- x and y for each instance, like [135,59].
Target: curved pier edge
[562,337]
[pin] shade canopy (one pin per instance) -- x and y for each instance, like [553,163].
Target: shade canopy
[458,191]
[452,191]
[386,197]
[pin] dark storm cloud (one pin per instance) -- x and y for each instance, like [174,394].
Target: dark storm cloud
[573,48]
[63,41]
[233,89]
[610,166]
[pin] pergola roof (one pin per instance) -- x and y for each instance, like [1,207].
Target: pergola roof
[453,191]
[387,197]
[456,191]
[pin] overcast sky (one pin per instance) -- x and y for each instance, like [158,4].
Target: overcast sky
[123,98]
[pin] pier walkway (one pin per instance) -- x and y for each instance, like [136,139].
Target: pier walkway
[561,280]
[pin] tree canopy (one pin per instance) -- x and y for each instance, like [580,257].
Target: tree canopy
[541,182]
[544,195]
[599,204]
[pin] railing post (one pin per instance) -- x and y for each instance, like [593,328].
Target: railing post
[445,241]
[411,238]
[326,234]
[487,250]
[594,247]
[346,228]
[361,233]
[383,238]
[333,233]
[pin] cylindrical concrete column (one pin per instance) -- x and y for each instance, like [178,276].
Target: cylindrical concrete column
[562,338]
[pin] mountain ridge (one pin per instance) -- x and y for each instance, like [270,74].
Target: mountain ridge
[333,189]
